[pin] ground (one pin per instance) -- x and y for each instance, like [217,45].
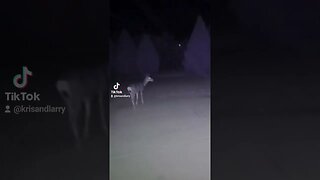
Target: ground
[265,123]
[168,137]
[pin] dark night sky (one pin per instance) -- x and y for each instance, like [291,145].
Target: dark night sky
[34,31]
[281,23]
[65,28]
[155,17]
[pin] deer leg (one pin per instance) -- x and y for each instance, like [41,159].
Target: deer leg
[132,99]
[87,117]
[73,112]
[137,95]
[141,97]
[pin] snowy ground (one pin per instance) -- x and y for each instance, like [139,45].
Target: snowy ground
[166,138]
[265,126]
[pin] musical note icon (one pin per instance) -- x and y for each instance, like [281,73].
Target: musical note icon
[23,78]
[116,86]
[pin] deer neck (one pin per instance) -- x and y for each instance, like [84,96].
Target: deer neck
[145,83]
